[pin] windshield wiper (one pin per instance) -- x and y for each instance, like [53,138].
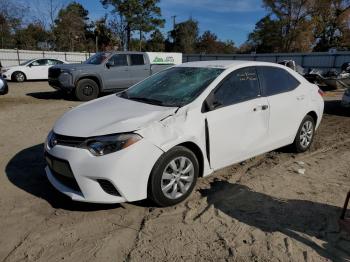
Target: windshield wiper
[147,100]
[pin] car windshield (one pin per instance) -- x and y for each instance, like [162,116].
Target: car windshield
[26,62]
[98,58]
[176,86]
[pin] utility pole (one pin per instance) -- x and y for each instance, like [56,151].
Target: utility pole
[174,21]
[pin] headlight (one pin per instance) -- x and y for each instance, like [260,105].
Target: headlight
[4,70]
[104,145]
[51,140]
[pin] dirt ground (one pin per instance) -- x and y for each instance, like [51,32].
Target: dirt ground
[259,210]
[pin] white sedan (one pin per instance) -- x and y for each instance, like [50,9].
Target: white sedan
[156,138]
[33,69]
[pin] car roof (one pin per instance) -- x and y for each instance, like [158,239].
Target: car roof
[225,64]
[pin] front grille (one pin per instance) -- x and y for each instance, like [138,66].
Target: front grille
[108,187]
[54,72]
[62,171]
[71,141]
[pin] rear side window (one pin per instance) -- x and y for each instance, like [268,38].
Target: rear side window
[54,62]
[40,62]
[276,80]
[241,85]
[137,59]
[118,60]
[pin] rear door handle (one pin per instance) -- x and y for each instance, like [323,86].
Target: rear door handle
[261,107]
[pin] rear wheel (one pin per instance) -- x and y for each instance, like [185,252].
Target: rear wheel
[173,177]
[86,90]
[18,76]
[305,135]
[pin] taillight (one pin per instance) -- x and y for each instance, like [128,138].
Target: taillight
[320,92]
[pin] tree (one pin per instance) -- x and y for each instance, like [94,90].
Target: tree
[156,43]
[72,29]
[31,36]
[105,38]
[208,43]
[11,16]
[137,15]
[331,19]
[292,20]
[185,36]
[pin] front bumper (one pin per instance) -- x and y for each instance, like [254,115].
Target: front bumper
[63,82]
[127,170]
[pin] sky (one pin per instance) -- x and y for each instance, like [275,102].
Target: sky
[228,19]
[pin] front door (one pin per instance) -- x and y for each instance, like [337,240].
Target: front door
[138,69]
[37,69]
[238,127]
[116,73]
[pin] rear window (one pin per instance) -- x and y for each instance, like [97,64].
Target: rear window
[276,80]
[136,59]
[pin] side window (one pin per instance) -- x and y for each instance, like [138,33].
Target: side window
[276,80]
[54,62]
[118,60]
[136,59]
[241,85]
[39,62]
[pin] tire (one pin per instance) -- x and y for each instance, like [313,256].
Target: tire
[172,187]
[305,135]
[86,90]
[18,76]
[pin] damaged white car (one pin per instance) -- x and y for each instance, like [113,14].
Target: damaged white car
[156,138]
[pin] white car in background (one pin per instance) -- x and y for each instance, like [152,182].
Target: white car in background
[33,69]
[154,139]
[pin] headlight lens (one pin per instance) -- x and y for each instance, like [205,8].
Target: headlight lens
[51,140]
[104,145]
[4,70]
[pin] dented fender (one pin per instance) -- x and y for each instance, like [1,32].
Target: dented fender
[184,126]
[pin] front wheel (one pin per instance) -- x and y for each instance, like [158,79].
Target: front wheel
[305,135]
[173,177]
[18,77]
[86,90]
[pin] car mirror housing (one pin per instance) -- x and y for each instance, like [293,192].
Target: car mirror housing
[108,65]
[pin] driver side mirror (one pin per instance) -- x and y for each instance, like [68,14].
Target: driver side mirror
[30,65]
[109,65]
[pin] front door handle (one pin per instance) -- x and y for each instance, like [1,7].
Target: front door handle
[261,107]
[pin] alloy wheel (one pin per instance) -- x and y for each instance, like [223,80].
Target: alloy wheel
[177,177]
[306,134]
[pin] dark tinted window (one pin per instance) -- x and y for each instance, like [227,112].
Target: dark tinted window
[241,85]
[40,62]
[137,59]
[118,60]
[276,80]
[54,62]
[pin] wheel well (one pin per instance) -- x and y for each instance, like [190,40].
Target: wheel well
[13,75]
[94,78]
[313,115]
[198,153]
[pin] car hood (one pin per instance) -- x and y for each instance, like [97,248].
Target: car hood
[109,115]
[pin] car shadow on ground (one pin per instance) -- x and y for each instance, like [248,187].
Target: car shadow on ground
[334,107]
[288,216]
[53,95]
[26,171]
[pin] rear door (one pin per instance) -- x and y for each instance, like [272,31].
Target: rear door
[288,102]
[116,72]
[139,69]
[238,127]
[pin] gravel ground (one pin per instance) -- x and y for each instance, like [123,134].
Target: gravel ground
[258,210]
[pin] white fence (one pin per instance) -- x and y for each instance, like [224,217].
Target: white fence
[10,57]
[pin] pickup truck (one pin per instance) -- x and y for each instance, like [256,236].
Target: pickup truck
[109,72]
